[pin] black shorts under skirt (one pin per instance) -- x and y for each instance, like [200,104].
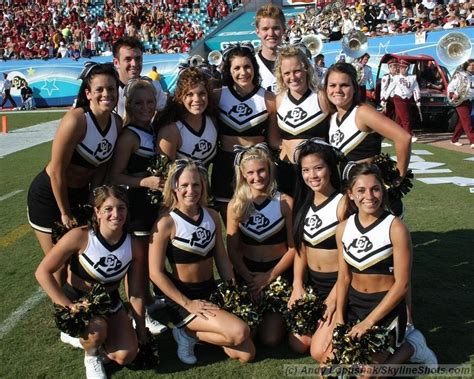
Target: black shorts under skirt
[194,291]
[323,282]
[360,304]
[223,176]
[142,213]
[43,210]
[286,177]
[75,294]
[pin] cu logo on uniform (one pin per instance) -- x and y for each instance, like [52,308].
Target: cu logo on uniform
[110,262]
[362,244]
[296,114]
[241,110]
[104,148]
[337,137]
[202,147]
[314,222]
[200,237]
[259,221]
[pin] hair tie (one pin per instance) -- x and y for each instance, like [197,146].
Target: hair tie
[240,150]
[236,46]
[347,169]
[88,66]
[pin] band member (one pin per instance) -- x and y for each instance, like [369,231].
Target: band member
[462,85]
[366,77]
[320,69]
[388,108]
[405,90]
[270,25]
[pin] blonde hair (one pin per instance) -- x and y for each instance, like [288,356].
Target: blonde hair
[294,52]
[242,204]
[130,91]
[174,173]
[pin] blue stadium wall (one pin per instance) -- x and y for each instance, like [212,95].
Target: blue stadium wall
[54,81]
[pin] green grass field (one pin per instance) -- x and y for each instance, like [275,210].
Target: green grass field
[22,120]
[440,218]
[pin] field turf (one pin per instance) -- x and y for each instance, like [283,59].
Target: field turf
[440,218]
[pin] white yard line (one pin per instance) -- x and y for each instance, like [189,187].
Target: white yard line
[7,325]
[8,195]
[24,138]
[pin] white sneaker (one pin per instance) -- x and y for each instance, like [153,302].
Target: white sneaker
[414,139]
[186,345]
[154,326]
[94,367]
[472,145]
[422,354]
[73,341]
[457,143]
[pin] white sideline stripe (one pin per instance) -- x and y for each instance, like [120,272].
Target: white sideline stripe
[8,195]
[7,325]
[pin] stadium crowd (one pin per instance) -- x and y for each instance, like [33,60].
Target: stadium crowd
[58,30]
[379,18]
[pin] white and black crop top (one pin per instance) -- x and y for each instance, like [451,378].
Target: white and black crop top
[200,145]
[320,223]
[101,262]
[369,250]
[194,241]
[242,115]
[303,118]
[352,142]
[265,226]
[98,145]
[140,159]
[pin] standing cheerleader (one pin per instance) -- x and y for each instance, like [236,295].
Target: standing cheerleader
[246,116]
[357,129]
[190,237]
[83,144]
[185,128]
[302,110]
[319,207]
[259,236]
[135,148]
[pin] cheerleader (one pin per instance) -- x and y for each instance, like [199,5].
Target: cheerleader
[375,258]
[356,129]
[464,78]
[135,148]
[83,144]
[247,116]
[190,238]
[104,253]
[301,110]
[319,207]
[185,127]
[405,89]
[259,231]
